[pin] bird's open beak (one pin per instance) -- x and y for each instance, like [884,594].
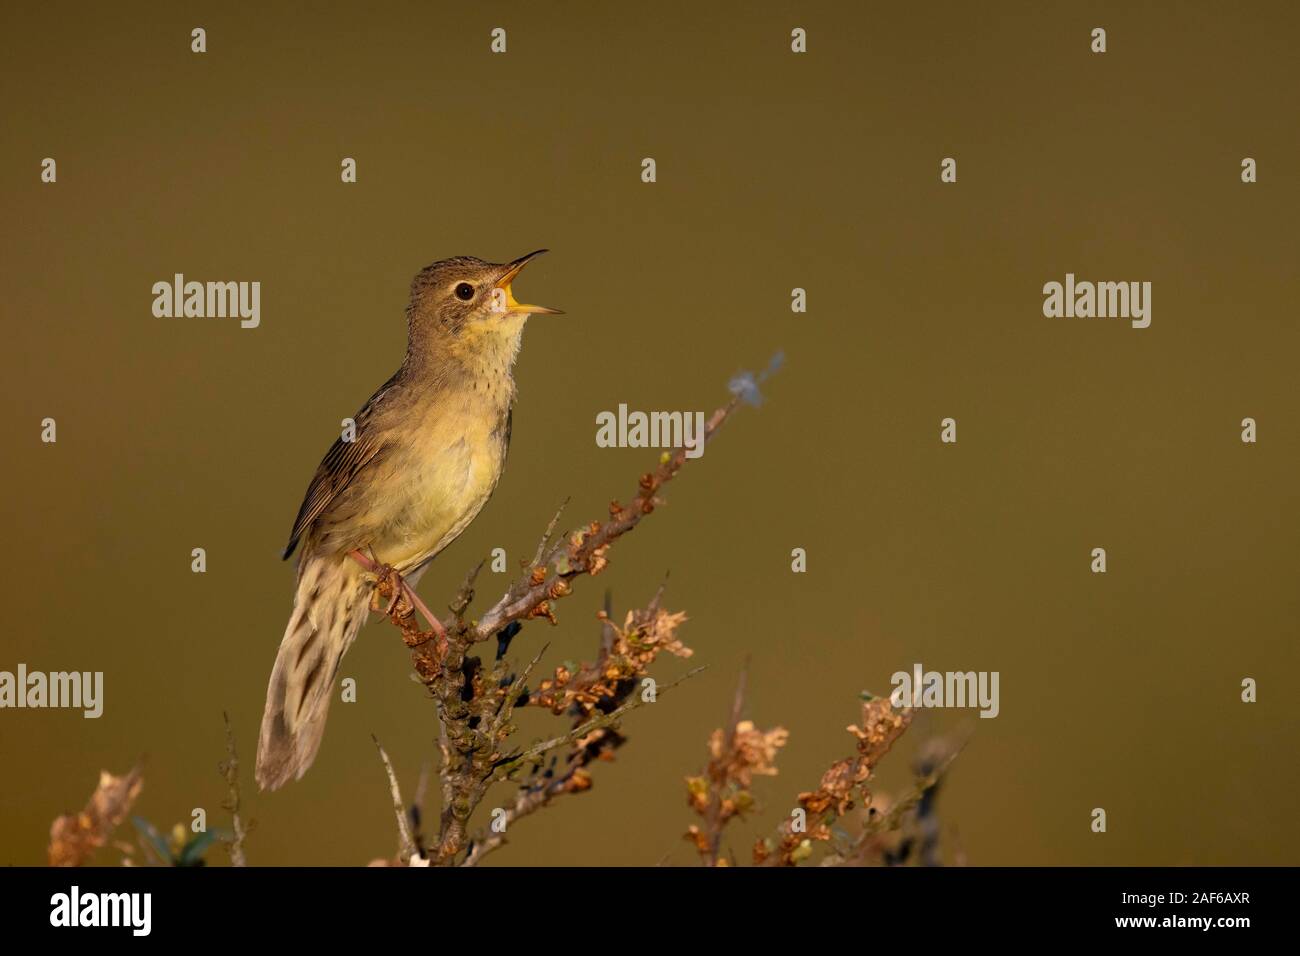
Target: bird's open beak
[504,285]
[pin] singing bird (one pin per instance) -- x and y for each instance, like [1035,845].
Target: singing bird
[429,448]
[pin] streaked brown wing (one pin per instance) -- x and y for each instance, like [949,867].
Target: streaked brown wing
[342,463]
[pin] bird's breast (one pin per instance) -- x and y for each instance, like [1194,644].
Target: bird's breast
[445,477]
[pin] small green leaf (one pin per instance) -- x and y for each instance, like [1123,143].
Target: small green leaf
[154,839]
[192,852]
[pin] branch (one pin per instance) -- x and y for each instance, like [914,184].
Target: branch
[514,692]
[845,781]
[625,654]
[738,753]
[406,845]
[415,812]
[586,551]
[504,767]
[892,819]
[550,530]
[715,818]
[230,770]
[530,799]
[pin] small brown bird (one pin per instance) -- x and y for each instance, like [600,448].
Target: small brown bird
[429,448]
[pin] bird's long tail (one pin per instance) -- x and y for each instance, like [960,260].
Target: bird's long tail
[331,604]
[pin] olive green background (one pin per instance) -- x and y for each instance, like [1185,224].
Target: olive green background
[774,171]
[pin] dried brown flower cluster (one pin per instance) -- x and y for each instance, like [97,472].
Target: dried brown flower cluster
[75,837]
[882,725]
[595,695]
[625,657]
[842,786]
[723,790]
[742,752]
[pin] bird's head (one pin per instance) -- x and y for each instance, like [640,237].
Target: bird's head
[465,308]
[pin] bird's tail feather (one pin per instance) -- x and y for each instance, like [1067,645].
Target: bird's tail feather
[331,604]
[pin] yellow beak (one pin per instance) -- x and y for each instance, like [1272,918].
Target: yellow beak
[503,284]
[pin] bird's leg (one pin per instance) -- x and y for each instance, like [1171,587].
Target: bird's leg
[371,566]
[399,588]
[428,615]
[392,601]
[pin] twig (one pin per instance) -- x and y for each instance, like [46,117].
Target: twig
[515,691]
[406,845]
[444,766]
[504,767]
[533,795]
[891,819]
[230,770]
[417,808]
[607,632]
[585,552]
[529,800]
[465,596]
[713,817]
[550,530]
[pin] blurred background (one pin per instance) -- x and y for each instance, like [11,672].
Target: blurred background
[775,171]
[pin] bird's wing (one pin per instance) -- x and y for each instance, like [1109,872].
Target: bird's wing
[340,466]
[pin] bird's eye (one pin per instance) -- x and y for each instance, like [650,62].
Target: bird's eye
[464,291]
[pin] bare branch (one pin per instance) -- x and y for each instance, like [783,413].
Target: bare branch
[406,845]
[516,690]
[530,799]
[550,530]
[230,770]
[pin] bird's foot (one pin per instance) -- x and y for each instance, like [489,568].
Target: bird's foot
[389,580]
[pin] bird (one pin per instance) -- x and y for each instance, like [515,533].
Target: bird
[428,450]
